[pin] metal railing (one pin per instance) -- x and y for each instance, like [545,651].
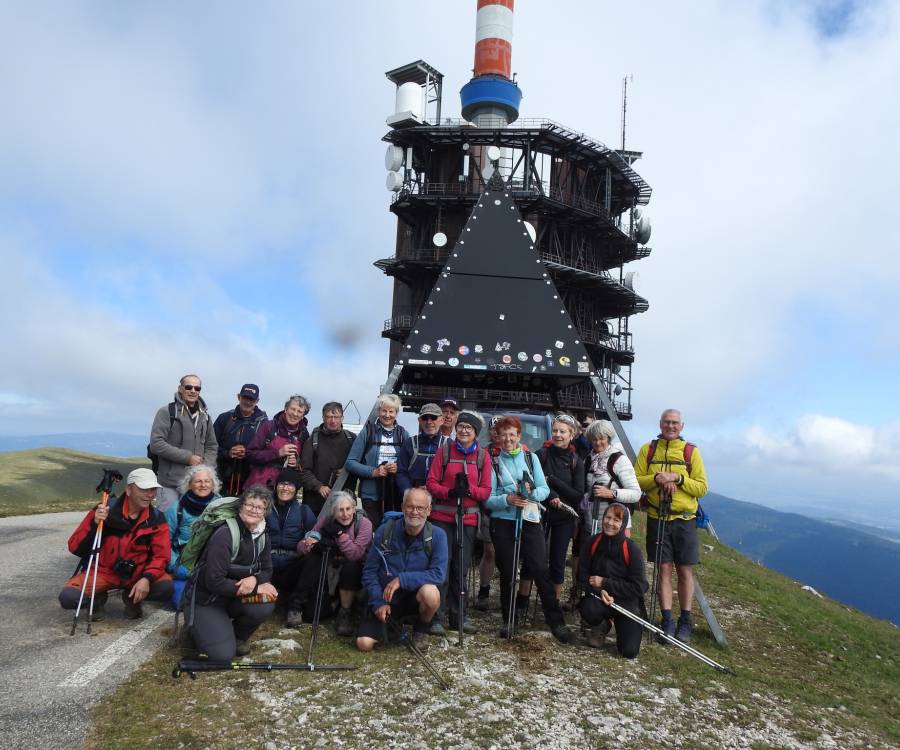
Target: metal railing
[545,123]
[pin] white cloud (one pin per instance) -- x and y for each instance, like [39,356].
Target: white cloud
[165,151]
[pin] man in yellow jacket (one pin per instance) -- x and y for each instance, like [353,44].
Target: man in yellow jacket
[670,471]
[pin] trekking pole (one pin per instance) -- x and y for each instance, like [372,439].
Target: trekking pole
[664,505]
[192,666]
[317,612]
[517,549]
[674,641]
[110,477]
[417,652]
[234,483]
[462,483]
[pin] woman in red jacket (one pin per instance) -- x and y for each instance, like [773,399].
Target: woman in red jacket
[460,458]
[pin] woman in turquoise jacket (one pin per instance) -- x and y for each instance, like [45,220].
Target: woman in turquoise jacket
[199,486]
[514,497]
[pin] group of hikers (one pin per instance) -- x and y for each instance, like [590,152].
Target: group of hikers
[243,511]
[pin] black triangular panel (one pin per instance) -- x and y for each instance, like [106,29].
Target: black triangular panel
[494,310]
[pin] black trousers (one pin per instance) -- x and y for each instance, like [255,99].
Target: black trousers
[628,632]
[533,553]
[451,586]
[217,626]
[303,597]
[285,573]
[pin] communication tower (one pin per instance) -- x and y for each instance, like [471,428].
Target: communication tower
[581,202]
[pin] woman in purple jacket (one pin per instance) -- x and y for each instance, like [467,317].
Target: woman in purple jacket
[277,443]
[348,534]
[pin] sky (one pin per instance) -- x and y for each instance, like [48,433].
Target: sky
[199,187]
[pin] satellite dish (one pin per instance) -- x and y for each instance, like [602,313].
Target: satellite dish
[439,239]
[530,229]
[631,281]
[617,390]
[642,233]
[393,158]
[493,153]
[616,368]
[394,182]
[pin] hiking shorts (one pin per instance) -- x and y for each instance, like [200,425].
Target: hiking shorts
[404,606]
[680,543]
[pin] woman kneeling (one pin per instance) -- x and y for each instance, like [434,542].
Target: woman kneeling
[234,596]
[611,570]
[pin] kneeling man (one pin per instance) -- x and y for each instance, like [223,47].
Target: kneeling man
[406,565]
[134,550]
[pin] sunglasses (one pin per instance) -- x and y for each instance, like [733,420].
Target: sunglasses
[428,417]
[191,388]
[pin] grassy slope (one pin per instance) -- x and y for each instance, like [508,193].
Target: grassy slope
[809,669]
[54,479]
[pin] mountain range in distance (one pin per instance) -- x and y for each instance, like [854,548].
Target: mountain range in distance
[119,444]
[850,565]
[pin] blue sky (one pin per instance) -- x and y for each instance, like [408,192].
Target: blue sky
[200,188]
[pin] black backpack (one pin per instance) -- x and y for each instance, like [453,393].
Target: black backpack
[154,459]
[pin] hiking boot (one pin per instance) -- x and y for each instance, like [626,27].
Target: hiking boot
[521,617]
[598,634]
[242,648]
[132,611]
[562,633]
[684,628]
[668,627]
[436,628]
[468,626]
[344,622]
[482,603]
[420,639]
[99,607]
[294,618]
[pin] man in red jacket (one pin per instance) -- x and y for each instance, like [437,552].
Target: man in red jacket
[458,456]
[134,550]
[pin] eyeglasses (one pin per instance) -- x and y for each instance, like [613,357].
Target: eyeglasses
[417,509]
[464,427]
[567,418]
[428,417]
[671,421]
[254,508]
[191,387]
[286,485]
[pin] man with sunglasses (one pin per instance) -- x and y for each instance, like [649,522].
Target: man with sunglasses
[417,452]
[182,435]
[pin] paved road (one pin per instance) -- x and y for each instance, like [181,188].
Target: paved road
[49,679]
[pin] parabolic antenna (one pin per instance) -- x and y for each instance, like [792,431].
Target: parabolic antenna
[493,153]
[439,239]
[393,158]
[394,182]
[631,281]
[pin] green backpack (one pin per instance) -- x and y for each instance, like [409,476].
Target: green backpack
[219,511]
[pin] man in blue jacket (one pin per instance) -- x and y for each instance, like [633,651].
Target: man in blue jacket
[404,569]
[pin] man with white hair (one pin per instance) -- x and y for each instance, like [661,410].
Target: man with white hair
[134,550]
[406,565]
[670,471]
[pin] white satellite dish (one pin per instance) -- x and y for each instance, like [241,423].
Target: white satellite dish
[393,158]
[530,229]
[493,153]
[439,239]
[394,182]
[631,281]
[642,232]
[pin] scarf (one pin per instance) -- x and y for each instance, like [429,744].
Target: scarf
[515,451]
[194,504]
[466,451]
[599,461]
